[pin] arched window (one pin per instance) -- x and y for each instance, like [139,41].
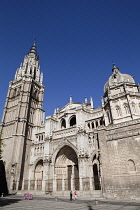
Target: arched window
[96,124]
[30,70]
[63,123]
[131,166]
[102,122]
[126,108]
[26,68]
[35,94]
[88,125]
[118,110]
[92,124]
[73,121]
[35,73]
[39,137]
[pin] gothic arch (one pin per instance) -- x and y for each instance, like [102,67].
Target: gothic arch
[118,110]
[96,172]
[60,146]
[66,167]
[35,163]
[64,153]
[126,108]
[39,170]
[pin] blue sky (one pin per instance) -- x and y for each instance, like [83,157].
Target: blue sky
[77,42]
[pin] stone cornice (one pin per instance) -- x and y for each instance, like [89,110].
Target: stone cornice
[121,125]
[123,134]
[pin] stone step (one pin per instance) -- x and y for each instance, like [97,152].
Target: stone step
[94,193]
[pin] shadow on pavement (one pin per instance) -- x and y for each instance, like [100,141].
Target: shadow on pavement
[91,202]
[123,203]
[8,201]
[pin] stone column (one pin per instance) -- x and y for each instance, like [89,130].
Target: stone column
[72,183]
[90,126]
[54,183]
[63,183]
[29,184]
[91,183]
[81,183]
[43,185]
[94,124]
[17,184]
[35,185]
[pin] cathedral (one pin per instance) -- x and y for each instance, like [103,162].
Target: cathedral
[95,151]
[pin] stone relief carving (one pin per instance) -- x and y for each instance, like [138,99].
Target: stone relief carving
[13,169]
[83,153]
[48,159]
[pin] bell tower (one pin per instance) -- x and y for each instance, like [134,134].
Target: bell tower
[23,102]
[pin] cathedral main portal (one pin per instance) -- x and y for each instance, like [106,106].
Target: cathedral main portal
[66,169]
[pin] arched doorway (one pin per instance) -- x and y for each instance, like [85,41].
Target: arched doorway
[96,177]
[39,174]
[66,169]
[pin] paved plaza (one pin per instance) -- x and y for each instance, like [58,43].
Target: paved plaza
[17,202]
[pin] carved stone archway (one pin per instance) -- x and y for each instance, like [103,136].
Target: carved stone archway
[39,174]
[39,170]
[66,168]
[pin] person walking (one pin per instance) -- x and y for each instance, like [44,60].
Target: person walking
[70,195]
[75,195]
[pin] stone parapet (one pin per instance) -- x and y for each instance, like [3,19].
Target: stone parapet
[64,133]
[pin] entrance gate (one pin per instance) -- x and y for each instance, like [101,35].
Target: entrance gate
[66,169]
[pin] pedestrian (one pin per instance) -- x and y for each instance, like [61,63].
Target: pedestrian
[70,195]
[75,195]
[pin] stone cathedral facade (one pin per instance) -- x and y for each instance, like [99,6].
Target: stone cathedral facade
[95,151]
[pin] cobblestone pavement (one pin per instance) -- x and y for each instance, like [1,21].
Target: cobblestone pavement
[51,203]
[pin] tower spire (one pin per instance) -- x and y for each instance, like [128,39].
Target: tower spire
[34,41]
[30,66]
[33,50]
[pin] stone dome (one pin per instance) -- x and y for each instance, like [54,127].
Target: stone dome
[117,78]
